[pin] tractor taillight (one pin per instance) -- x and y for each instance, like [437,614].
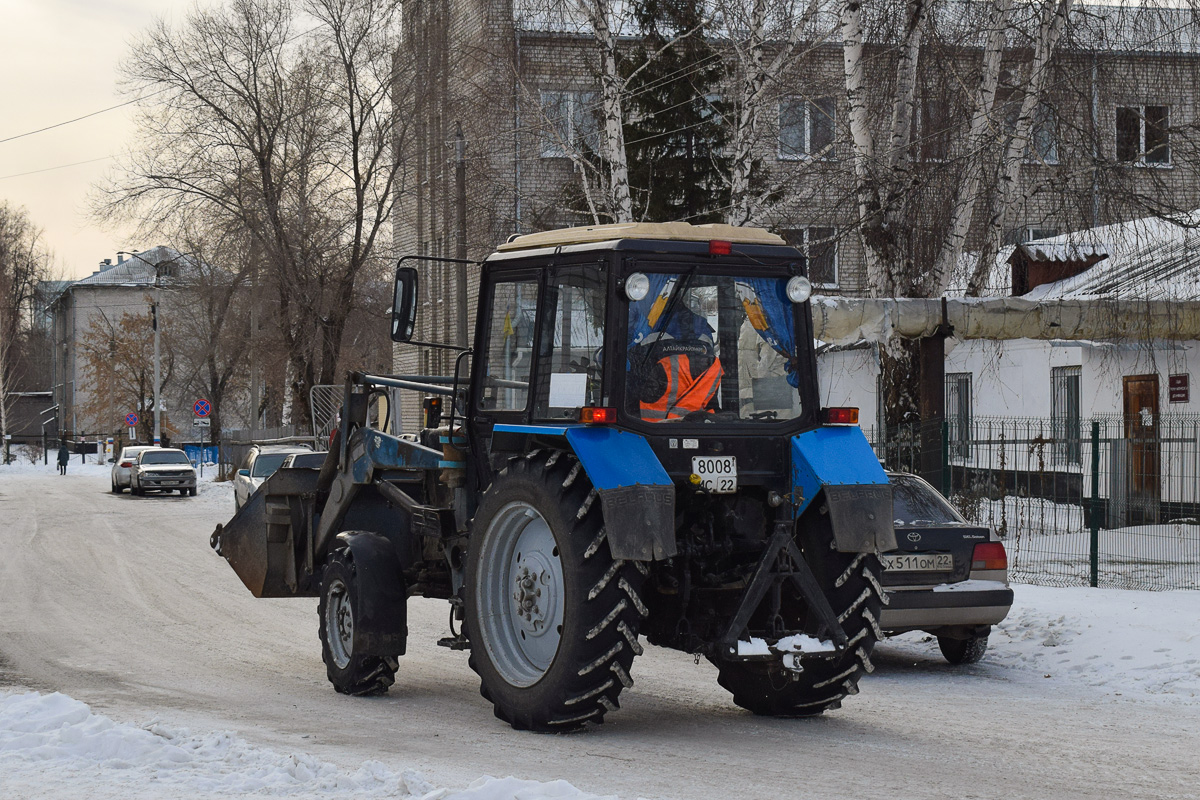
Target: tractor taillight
[718,248]
[597,416]
[989,555]
[841,416]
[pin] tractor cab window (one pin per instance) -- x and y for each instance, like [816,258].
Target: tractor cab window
[712,348]
[510,346]
[572,344]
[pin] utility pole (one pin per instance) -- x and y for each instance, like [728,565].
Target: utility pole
[254,380]
[460,180]
[157,360]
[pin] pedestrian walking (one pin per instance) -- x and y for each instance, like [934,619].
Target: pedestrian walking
[64,455]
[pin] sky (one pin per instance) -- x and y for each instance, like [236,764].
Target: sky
[58,59]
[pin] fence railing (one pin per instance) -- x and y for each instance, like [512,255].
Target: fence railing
[1109,501]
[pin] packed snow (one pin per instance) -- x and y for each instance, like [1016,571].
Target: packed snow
[1143,646]
[53,746]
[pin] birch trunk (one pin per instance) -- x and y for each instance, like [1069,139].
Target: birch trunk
[745,204]
[612,88]
[1050,28]
[976,149]
[863,144]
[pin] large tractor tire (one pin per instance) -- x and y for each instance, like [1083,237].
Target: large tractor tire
[851,583]
[350,673]
[552,617]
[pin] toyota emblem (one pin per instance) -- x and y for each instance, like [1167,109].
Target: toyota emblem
[914,537]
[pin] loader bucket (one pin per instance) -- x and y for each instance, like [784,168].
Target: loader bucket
[267,539]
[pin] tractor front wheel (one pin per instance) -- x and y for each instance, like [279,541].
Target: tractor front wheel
[552,616]
[349,672]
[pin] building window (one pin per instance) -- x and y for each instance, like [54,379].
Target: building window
[1142,135]
[933,129]
[570,123]
[819,246]
[1037,234]
[958,413]
[806,128]
[1043,136]
[1064,415]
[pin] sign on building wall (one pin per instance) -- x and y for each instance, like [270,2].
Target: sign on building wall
[1177,389]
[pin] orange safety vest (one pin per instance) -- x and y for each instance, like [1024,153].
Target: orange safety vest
[684,393]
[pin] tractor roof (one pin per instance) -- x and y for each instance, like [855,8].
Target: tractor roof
[657,231]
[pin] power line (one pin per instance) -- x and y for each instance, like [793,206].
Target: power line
[48,169]
[77,119]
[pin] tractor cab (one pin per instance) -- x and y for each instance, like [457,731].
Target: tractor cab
[692,336]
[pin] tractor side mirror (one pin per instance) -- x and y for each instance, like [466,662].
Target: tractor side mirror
[404,305]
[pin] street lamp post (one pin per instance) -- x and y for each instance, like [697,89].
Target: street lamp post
[154,322]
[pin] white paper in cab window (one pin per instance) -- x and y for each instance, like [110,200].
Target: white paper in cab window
[567,389]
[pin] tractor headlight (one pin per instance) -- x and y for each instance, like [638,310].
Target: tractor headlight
[799,289]
[637,286]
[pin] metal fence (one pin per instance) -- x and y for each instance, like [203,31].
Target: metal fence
[1110,501]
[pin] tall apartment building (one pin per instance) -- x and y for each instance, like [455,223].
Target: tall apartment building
[1115,137]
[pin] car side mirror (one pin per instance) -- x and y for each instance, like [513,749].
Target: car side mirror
[404,304]
[112,461]
[245,473]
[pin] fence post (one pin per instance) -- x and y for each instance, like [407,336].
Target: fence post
[947,482]
[1095,520]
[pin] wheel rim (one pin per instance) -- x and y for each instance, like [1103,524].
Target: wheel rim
[339,624]
[520,591]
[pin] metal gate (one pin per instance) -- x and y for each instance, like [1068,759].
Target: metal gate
[324,400]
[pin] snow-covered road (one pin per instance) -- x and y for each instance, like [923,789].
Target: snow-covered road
[119,603]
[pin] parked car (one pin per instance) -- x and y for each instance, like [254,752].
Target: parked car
[948,577]
[122,463]
[304,461]
[162,469]
[261,462]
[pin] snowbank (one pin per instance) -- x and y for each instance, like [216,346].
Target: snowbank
[1141,645]
[52,746]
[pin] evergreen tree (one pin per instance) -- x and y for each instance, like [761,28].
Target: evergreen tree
[675,131]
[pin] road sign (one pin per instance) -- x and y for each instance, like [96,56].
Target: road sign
[201,422]
[202,408]
[131,419]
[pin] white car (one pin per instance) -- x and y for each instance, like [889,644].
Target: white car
[122,463]
[304,461]
[162,469]
[261,463]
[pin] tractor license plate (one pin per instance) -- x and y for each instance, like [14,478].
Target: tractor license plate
[718,474]
[918,562]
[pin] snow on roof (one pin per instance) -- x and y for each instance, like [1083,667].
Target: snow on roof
[1060,252]
[137,270]
[1148,259]
[1097,27]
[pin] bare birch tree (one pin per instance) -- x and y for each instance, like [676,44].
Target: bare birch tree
[285,133]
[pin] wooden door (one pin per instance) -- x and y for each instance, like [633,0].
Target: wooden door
[1141,429]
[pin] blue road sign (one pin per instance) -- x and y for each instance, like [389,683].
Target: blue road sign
[202,408]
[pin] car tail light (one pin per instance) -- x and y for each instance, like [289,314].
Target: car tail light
[841,416]
[126,464]
[716,247]
[597,416]
[989,555]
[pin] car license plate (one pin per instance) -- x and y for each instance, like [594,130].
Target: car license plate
[718,474]
[918,562]
[169,483]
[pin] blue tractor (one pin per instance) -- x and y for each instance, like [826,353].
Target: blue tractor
[633,450]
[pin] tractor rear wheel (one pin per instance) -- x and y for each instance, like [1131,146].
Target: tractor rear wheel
[851,583]
[349,672]
[552,616]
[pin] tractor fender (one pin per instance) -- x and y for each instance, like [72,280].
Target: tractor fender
[381,607]
[838,464]
[636,494]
